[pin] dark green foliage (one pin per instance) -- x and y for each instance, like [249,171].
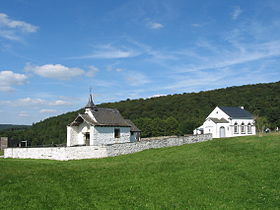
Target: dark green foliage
[169,115]
[12,127]
[233,173]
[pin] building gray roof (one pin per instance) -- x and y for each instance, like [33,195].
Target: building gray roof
[81,118]
[106,116]
[103,116]
[216,120]
[236,112]
[133,126]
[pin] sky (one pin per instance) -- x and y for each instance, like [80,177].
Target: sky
[52,52]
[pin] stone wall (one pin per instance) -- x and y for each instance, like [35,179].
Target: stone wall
[89,152]
[3,143]
[57,153]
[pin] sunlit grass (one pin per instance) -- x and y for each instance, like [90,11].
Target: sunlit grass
[233,173]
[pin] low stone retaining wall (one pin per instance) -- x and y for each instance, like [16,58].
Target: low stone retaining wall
[90,152]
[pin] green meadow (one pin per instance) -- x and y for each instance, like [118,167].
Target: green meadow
[233,173]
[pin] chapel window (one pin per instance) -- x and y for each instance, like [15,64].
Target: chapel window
[249,127]
[242,128]
[117,133]
[235,128]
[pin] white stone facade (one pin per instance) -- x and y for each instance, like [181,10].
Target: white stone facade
[100,126]
[91,152]
[106,134]
[98,135]
[233,127]
[75,135]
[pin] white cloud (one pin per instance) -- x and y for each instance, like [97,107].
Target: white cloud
[29,101]
[47,111]
[55,71]
[8,79]
[35,102]
[104,83]
[59,103]
[236,13]
[136,78]
[197,25]
[10,29]
[155,25]
[92,71]
[243,54]
[109,52]
[113,67]
[23,114]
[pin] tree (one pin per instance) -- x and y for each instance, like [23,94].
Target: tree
[261,124]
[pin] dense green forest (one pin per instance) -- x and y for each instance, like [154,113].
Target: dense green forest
[167,115]
[12,127]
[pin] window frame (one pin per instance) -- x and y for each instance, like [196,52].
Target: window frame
[117,133]
[249,128]
[236,130]
[243,129]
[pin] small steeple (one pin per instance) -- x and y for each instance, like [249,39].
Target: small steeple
[90,104]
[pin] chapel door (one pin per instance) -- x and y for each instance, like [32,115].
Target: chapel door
[222,132]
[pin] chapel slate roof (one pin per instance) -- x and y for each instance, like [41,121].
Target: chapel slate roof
[109,117]
[81,118]
[133,126]
[236,112]
[103,116]
[216,120]
[88,119]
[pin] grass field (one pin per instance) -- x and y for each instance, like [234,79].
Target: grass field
[1,152]
[234,173]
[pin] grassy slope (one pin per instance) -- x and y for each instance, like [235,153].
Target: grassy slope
[231,173]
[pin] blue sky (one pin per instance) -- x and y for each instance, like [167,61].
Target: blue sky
[52,52]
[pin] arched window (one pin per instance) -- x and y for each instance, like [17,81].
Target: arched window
[249,128]
[235,128]
[242,128]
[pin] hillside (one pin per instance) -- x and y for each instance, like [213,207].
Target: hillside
[234,173]
[168,115]
[12,127]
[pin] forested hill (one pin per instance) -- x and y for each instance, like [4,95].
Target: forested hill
[12,127]
[168,115]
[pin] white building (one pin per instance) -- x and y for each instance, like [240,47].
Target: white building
[100,126]
[228,122]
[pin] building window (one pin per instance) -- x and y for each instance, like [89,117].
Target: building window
[235,128]
[242,128]
[249,128]
[117,133]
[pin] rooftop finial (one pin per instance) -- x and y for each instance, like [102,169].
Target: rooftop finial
[90,103]
[90,90]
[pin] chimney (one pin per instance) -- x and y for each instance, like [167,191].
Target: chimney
[242,107]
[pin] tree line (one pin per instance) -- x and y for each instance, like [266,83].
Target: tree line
[176,114]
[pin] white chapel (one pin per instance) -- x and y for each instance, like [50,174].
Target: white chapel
[100,126]
[228,122]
